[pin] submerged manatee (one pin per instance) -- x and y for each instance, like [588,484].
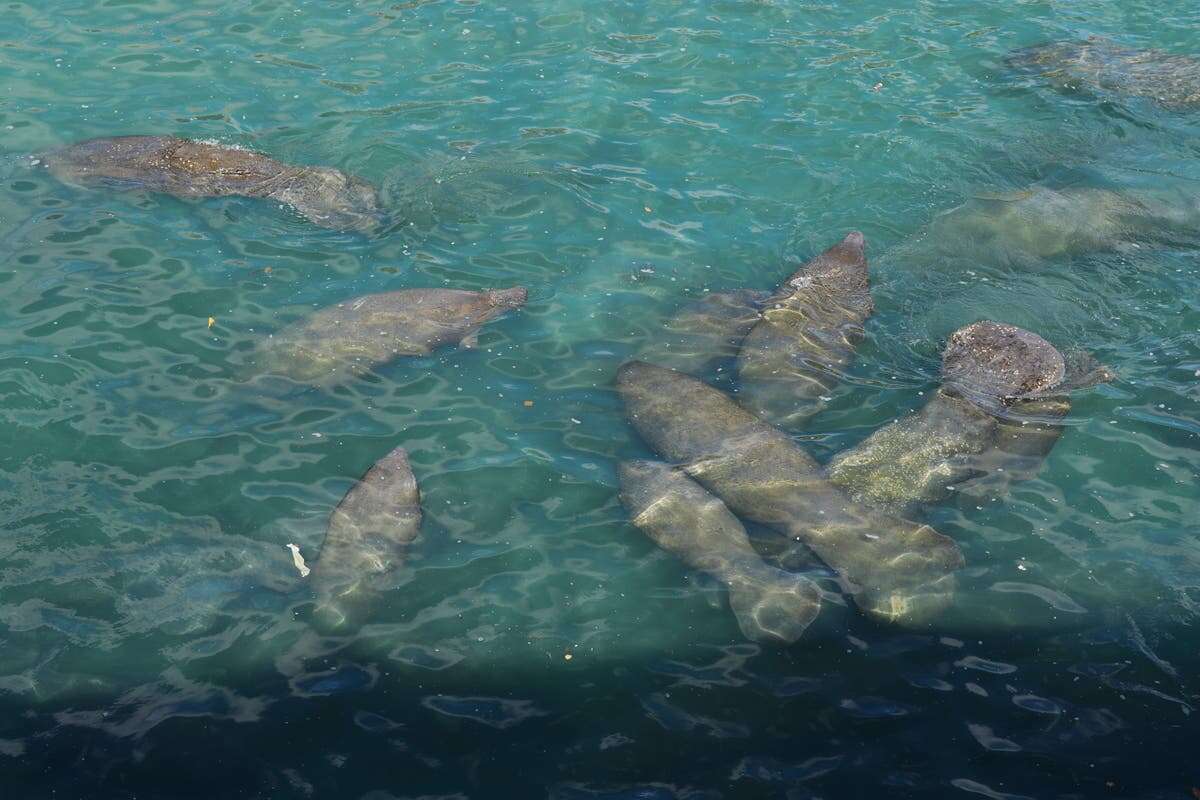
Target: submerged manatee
[685,520]
[1096,64]
[366,331]
[1002,392]
[807,334]
[185,168]
[1044,222]
[706,332]
[369,534]
[896,570]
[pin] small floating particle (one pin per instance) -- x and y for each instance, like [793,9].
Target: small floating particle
[267,270]
[212,321]
[877,87]
[567,656]
[647,209]
[527,403]
[298,560]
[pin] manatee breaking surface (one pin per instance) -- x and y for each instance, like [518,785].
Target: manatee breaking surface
[681,517]
[896,570]
[324,196]
[1003,391]
[354,336]
[1101,65]
[810,326]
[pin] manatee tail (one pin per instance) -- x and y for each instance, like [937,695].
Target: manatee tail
[772,605]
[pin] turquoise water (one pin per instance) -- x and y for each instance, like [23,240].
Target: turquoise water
[617,159]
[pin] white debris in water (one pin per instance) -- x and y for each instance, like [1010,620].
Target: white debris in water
[298,560]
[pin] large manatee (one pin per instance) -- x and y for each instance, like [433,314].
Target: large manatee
[809,328]
[706,332]
[1004,388]
[685,520]
[186,168]
[358,334]
[896,570]
[1097,64]
[368,535]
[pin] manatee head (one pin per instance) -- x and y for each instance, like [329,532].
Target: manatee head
[508,298]
[851,250]
[991,363]
[333,199]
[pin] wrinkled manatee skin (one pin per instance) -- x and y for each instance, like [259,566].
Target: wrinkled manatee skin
[682,518]
[186,168]
[368,535]
[896,570]
[1101,65]
[354,336]
[706,333]
[807,335]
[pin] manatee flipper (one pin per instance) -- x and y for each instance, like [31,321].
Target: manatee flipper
[680,516]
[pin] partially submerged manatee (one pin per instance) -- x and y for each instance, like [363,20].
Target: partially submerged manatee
[896,570]
[187,168]
[810,326]
[358,334]
[706,332]
[368,535]
[685,520]
[1097,64]
[1004,388]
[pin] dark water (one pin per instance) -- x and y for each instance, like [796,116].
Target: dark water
[618,159]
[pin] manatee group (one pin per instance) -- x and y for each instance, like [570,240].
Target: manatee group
[1097,64]
[188,168]
[365,332]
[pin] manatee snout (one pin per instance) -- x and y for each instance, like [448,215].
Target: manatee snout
[508,298]
[856,240]
[773,605]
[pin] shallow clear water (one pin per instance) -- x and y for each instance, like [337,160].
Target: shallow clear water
[617,159]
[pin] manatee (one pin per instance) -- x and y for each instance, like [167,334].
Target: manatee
[896,570]
[809,328]
[1100,65]
[1003,389]
[367,331]
[186,168]
[368,535]
[685,520]
[706,332]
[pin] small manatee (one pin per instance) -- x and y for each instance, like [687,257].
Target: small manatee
[362,333]
[1101,66]
[368,535]
[809,330]
[896,570]
[187,168]
[685,520]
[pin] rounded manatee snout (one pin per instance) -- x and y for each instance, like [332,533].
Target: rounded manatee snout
[508,298]
[772,605]
[855,239]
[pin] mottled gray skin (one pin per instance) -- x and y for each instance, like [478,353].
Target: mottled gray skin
[1103,66]
[1003,390]
[707,332]
[369,534]
[685,520]
[807,335]
[896,570]
[185,168]
[1043,222]
[354,336]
